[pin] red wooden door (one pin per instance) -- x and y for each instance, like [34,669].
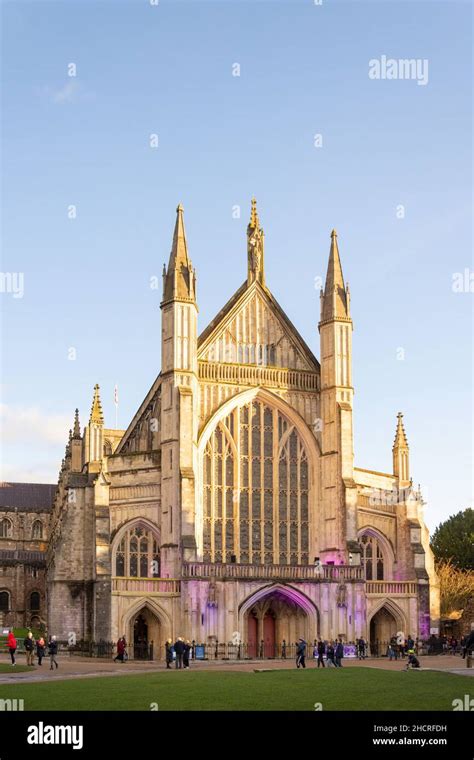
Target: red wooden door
[252,636]
[269,635]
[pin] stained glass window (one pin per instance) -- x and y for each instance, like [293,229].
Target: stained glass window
[256,465]
[138,555]
[372,558]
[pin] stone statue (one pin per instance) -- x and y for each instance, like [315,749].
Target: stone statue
[341,595]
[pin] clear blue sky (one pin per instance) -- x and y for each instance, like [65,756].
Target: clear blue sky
[167,69]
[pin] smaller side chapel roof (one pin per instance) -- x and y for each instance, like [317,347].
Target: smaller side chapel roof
[27,497]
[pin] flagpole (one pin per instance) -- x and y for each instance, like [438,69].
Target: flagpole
[116,405]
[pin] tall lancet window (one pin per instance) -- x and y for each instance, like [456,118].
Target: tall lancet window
[372,558]
[256,486]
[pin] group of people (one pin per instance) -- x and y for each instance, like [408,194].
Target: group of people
[332,650]
[32,645]
[180,652]
[398,647]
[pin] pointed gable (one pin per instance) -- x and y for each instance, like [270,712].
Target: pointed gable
[252,328]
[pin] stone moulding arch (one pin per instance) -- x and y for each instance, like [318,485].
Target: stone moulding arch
[386,546]
[272,399]
[289,592]
[134,522]
[394,610]
[153,606]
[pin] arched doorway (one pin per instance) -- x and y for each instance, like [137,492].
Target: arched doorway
[274,619]
[382,627]
[140,638]
[144,632]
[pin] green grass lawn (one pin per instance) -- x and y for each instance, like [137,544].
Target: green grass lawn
[6,668]
[350,689]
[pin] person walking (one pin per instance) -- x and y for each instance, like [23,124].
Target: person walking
[179,649]
[339,653]
[120,650]
[169,653]
[29,644]
[330,655]
[186,653]
[361,648]
[468,645]
[393,648]
[40,649]
[53,650]
[321,649]
[11,644]
[301,653]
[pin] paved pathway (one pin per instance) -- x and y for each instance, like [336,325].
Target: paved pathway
[86,667]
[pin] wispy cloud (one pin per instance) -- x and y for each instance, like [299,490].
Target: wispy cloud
[36,473]
[72,91]
[30,424]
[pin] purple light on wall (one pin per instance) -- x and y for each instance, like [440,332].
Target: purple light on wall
[332,557]
[424,625]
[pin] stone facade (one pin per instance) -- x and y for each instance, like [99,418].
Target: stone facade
[230,509]
[24,519]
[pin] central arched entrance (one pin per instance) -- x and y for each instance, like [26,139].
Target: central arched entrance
[274,618]
[144,629]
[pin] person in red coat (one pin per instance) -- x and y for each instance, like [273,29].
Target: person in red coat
[11,644]
[121,644]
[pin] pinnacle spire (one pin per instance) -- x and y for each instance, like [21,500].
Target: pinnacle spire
[334,298]
[180,277]
[254,220]
[400,452]
[97,416]
[77,427]
[400,435]
[255,247]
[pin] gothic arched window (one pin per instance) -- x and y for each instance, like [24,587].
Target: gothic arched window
[35,601]
[4,601]
[372,558]
[5,528]
[256,486]
[138,554]
[37,531]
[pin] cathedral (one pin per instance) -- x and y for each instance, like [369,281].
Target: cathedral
[230,509]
